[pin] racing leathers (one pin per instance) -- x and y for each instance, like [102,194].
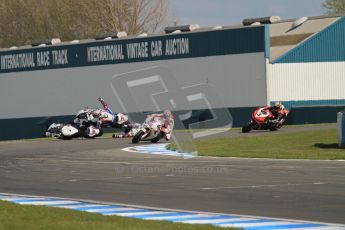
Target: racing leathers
[276,114]
[107,118]
[167,120]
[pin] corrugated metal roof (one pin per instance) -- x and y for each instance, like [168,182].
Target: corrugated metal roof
[326,46]
[279,50]
[312,25]
[284,38]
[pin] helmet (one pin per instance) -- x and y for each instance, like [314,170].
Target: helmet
[278,105]
[168,114]
[121,118]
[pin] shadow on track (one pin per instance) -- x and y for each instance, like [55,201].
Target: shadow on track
[327,146]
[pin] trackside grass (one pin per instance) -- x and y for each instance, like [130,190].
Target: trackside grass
[315,145]
[14,216]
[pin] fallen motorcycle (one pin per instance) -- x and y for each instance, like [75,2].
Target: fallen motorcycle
[84,125]
[69,131]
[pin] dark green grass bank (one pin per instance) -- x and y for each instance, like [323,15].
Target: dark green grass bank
[13,217]
[315,145]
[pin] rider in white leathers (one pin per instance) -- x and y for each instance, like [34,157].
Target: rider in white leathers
[168,122]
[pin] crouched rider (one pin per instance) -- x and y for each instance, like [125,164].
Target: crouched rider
[167,119]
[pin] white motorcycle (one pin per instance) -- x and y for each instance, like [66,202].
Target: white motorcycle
[151,130]
[84,125]
[68,131]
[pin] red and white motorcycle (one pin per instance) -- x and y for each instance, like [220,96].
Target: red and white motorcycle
[152,130]
[262,119]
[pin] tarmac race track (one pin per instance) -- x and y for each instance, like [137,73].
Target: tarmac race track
[99,170]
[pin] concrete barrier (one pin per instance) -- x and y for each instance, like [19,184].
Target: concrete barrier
[341,129]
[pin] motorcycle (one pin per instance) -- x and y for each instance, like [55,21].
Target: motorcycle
[84,125]
[151,130]
[69,131]
[261,120]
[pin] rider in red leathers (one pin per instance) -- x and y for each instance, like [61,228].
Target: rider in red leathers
[276,111]
[267,118]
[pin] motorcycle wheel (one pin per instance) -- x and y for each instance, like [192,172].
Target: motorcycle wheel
[157,138]
[247,128]
[273,128]
[137,137]
[100,134]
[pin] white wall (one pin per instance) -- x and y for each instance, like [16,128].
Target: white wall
[306,81]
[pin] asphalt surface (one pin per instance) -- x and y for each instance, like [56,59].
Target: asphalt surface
[99,170]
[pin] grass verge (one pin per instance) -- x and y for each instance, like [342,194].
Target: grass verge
[14,216]
[109,133]
[315,145]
